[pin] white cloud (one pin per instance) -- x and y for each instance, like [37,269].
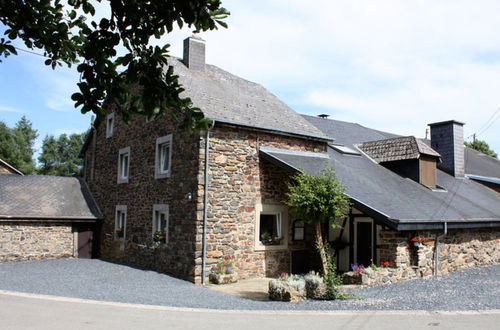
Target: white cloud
[58,95]
[68,131]
[6,108]
[393,64]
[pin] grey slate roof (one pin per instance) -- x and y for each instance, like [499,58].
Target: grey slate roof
[399,202]
[46,197]
[399,148]
[477,163]
[225,97]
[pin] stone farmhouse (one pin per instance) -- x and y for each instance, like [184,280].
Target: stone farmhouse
[179,202]
[155,196]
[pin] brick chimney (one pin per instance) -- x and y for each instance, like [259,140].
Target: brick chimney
[194,53]
[447,138]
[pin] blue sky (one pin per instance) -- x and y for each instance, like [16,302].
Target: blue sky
[390,65]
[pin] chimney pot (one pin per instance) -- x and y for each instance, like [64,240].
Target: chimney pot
[194,53]
[447,138]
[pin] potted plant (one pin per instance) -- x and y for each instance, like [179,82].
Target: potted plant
[419,240]
[385,264]
[160,237]
[267,239]
[223,272]
[120,232]
[357,275]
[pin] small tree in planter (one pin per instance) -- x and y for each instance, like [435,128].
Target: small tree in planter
[318,199]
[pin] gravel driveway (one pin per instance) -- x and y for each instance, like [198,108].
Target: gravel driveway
[473,289]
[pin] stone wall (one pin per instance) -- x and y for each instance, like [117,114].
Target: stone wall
[468,248]
[35,240]
[459,249]
[239,180]
[143,191]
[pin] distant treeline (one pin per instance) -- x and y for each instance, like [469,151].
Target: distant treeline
[58,156]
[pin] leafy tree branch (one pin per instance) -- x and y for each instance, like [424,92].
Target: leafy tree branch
[135,82]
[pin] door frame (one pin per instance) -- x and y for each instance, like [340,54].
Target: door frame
[357,220]
[84,227]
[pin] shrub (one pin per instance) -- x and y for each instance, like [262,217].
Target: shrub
[315,288]
[333,281]
[287,288]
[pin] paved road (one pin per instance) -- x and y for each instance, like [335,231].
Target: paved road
[22,311]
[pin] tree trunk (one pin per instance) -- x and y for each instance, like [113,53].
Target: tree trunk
[321,248]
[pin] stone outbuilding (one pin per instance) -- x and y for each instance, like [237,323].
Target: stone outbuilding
[45,217]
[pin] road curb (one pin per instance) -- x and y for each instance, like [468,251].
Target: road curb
[260,312]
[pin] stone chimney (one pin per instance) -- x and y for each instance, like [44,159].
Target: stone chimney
[447,138]
[194,53]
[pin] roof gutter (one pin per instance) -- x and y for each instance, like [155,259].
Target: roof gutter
[29,218]
[483,178]
[10,167]
[438,225]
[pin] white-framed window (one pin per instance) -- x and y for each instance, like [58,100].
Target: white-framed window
[271,227]
[120,221]
[123,165]
[163,157]
[110,124]
[160,223]
[299,230]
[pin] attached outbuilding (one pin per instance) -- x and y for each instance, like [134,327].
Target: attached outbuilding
[44,217]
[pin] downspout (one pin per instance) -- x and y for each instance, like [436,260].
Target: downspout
[92,160]
[205,206]
[436,249]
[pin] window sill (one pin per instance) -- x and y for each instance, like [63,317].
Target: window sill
[162,175]
[121,180]
[261,247]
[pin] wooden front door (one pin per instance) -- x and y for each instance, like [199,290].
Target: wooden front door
[364,243]
[85,241]
[301,261]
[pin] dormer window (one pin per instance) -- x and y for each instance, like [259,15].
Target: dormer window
[110,123]
[123,165]
[163,157]
[407,156]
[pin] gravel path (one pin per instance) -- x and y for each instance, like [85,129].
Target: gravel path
[473,289]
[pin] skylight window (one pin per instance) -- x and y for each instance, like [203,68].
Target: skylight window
[345,150]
